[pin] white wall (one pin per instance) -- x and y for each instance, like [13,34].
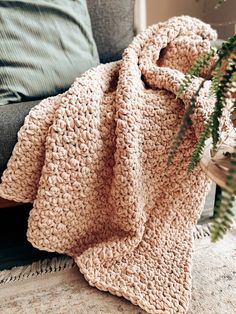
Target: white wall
[161,10]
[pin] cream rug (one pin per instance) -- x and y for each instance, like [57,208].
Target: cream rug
[57,286]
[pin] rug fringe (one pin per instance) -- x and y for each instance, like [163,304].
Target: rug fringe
[201,231]
[56,264]
[35,269]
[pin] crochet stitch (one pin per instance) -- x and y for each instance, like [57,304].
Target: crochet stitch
[94,163]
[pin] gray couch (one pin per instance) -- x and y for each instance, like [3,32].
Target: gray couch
[113,29]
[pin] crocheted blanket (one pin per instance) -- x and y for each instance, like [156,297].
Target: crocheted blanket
[94,163]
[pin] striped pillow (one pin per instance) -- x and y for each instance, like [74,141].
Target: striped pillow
[44,46]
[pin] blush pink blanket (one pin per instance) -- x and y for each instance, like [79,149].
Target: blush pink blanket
[94,163]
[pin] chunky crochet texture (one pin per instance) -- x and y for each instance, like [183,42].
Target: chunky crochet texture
[94,163]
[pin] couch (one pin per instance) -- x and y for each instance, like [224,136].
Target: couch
[113,29]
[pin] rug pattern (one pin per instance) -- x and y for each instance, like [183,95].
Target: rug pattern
[57,286]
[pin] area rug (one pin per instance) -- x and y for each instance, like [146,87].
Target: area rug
[57,286]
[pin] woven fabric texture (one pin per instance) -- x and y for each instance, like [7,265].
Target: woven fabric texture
[113,26]
[94,163]
[12,118]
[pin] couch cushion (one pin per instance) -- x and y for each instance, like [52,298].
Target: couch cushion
[11,119]
[45,45]
[113,30]
[113,26]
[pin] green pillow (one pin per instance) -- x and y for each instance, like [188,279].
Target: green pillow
[44,46]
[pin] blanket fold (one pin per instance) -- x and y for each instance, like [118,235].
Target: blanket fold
[94,163]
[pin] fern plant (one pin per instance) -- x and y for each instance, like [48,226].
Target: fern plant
[223,77]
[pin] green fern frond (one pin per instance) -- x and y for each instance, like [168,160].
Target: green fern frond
[223,77]
[223,209]
[195,70]
[197,153]
[224,220]
[231,178]
[221,97]
[215,81]
[186,120]
[186,123]
[227,47]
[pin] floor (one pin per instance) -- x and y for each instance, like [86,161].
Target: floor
[15,250]
[213,286]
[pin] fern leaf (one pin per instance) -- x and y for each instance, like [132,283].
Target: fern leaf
[195,70]
[227,47]
[215,81]
[186,122]
[221,97]
[224,219]
[223,77]
[223,208]
[196,155]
